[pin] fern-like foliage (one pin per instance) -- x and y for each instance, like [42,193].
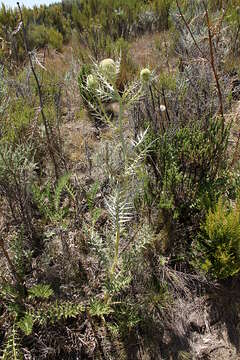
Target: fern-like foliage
[26,324]
[12,348]
[42,291]
[118,283]
[61,186]
[20,255]
[41,198]
[56,311]
[91,195]
[49,200]
[140,150]
[120,209]
[99,308]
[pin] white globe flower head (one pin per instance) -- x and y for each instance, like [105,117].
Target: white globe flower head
[108,67]
[162,108]
[92,82]
[145,75]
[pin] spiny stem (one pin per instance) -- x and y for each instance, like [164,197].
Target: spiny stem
[116,255]
[120,119]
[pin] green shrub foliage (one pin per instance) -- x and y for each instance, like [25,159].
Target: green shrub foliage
[219,244]
[98,23]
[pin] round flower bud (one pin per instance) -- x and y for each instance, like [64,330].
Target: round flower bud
[108,66]
[162,261]
[91,82]
[162,108]
[145,75]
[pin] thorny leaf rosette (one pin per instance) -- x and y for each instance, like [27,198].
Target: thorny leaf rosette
[92,82]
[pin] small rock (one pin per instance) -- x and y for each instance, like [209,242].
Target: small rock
[113,108]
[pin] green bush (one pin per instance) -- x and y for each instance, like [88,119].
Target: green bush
[55,39]
[188,164]
[162,9]
[38,36]
[99,23]
[219,245]
[18,121]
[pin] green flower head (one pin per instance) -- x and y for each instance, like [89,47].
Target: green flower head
[108,67]
[145,75]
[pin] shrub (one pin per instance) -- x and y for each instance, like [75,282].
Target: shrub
[55,39]
[17,172]
[162,9]
[38,36]
[18,121]
[219,243]
[187,163]
[186,172]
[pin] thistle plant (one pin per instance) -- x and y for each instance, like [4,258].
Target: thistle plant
[100,87]
[119,205]
[120,210]
[11,350]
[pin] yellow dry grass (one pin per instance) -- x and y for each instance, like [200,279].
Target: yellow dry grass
[154,51]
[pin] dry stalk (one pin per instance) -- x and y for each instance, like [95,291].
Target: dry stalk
[45,122]
[189,29]
[212,61]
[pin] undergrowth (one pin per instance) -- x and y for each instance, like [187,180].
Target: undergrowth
[98,253]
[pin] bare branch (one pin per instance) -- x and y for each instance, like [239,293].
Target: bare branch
[212,60]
